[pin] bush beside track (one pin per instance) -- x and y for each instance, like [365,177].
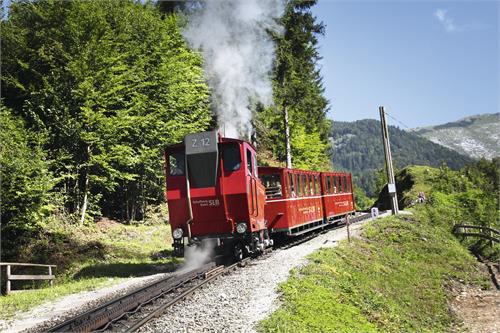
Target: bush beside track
[396,277]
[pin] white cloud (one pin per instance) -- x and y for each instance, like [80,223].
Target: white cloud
[447,22]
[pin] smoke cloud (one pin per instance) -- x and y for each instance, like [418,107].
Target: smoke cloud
[238,56]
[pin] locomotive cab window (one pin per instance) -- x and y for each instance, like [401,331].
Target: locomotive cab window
[272,183]
[176,163]
[254,160]
[249,162]
[232,157]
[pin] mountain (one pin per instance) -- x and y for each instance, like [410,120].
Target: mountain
[357,147]
[477,136]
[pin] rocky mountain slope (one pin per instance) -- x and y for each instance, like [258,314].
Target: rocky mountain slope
[476,136]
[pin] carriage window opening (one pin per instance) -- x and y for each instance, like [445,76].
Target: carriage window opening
[249,161]
[311,184]
[340,184]
[232,157]
[291,186]
[272,183]
[298,184]
[328,184]
[344,180]
[335,184]
[305,187]
[176,163]
[316,185]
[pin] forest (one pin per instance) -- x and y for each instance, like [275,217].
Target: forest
[93,90]
[358,148]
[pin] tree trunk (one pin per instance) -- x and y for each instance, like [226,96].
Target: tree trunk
[85,197]
[85,190]
[287,138]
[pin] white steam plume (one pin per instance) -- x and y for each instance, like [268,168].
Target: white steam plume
[238,56]
[195,257]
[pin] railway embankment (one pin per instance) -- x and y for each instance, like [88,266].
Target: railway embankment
[403,274]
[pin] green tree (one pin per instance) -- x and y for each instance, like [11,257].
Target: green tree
[298,89]
[111,83]
[25,180]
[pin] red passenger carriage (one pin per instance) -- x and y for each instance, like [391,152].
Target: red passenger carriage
[293,203]
[338,197]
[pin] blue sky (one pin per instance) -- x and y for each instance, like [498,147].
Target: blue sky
[427,62]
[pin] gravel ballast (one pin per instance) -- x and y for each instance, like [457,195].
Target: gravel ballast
[236,302]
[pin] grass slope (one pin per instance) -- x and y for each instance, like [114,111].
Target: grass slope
[392,280]
[395,277]
[92,257]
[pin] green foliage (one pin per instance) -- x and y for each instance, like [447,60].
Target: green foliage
[361,201]
[110,83]
[358,148]
[467,196]
[25,180]
[298,87]
[375,285]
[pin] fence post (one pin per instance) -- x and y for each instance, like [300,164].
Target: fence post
[7,289]
[50,273]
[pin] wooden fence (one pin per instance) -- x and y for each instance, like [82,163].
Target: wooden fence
[11,277]
[477,231]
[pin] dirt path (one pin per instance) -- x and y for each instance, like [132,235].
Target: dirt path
[477,310]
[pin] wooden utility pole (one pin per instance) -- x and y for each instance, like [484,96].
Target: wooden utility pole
[391,183]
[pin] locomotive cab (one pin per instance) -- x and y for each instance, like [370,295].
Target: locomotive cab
[214,196]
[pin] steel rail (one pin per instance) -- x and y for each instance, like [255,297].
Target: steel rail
[99,316]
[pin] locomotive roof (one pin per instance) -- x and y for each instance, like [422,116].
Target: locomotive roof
[222,140]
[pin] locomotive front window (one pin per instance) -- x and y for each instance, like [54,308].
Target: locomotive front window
[272,184]
[232,157]
[176,163]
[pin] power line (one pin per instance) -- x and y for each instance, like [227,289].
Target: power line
[394,118]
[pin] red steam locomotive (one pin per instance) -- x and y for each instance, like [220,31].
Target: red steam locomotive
[218,197]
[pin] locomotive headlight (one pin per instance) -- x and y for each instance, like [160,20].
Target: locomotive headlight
[177,233]
[241,227]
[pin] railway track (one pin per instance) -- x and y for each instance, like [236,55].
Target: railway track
[130,312]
